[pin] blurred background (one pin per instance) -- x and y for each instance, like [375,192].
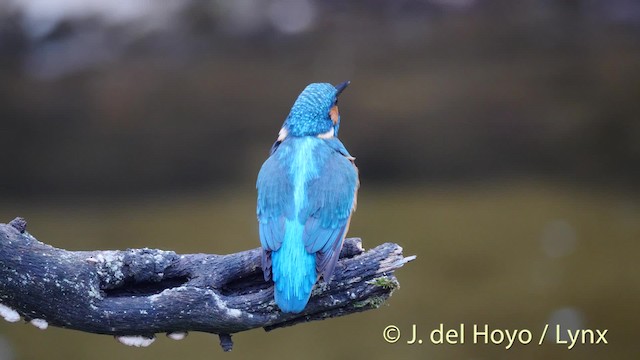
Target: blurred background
[499,141]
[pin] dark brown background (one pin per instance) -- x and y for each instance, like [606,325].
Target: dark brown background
[497,140]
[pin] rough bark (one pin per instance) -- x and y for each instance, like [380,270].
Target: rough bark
[149,291]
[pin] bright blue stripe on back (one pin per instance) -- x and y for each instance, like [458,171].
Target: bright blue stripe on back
[294,269]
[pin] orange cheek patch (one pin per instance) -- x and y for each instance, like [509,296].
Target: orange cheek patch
[334,115]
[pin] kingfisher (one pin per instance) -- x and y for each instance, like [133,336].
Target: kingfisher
[307,192]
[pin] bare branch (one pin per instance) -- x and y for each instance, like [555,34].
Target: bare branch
[141,292]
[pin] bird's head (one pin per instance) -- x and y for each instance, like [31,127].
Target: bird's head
[315,112]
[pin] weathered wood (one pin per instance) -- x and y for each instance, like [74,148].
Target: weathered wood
[149,291]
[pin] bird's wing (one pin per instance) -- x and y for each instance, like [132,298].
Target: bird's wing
[331,200]
[274,205]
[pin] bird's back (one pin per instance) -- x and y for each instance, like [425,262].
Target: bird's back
[306,193]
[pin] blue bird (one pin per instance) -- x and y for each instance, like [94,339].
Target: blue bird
[307,192]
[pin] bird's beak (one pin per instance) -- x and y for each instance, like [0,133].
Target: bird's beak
[340,87]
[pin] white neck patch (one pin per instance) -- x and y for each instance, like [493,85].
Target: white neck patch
[283,134]
[328,135]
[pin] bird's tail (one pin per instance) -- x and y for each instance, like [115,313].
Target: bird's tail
[293,269]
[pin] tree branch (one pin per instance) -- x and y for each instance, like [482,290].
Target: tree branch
[141,292]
